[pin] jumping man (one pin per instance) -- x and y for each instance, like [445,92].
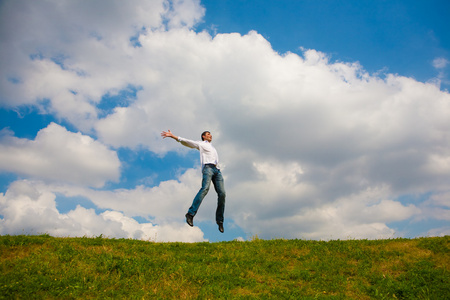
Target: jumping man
[211,172]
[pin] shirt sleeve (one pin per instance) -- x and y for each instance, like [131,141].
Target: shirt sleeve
[188,143]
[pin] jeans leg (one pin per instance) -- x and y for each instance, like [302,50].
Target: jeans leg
[206,182]
[220,189]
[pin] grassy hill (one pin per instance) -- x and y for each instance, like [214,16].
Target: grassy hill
[44,267]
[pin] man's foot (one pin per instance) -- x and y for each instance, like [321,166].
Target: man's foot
[220,227]
[189,219]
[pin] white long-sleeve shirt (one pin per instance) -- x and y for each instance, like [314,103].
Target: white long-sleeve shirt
[208,154]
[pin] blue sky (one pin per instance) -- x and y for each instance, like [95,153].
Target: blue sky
[330,118]
[400,37]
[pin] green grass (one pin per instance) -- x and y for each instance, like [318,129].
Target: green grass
[44,267]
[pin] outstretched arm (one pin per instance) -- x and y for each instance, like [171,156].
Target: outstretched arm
[166,134]
[184,142]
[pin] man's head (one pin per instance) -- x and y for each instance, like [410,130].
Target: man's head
[206,136]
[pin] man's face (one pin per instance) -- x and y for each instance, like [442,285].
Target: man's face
[207,137]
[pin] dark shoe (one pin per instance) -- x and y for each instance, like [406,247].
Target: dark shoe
[190,220]
[221,227]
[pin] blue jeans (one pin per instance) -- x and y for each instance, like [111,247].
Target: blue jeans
[210,173]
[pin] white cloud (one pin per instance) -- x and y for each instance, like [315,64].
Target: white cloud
[165,203]
[312,148]
[441,199]
[72,53]
[27,208]
[184,13]
[284,205]
[444,231]
[59,155]
[440,63]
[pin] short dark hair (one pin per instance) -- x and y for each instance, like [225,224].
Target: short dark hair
[203,134]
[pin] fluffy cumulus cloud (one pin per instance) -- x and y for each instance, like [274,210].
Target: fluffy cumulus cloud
[58,155]
[312,148]
[165,203]
[65,55]
[30,207]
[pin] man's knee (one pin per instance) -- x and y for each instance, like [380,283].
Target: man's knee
[204,190]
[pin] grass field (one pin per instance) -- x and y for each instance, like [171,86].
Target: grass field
[44,267]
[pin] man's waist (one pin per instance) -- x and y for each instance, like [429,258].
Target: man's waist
[210,165]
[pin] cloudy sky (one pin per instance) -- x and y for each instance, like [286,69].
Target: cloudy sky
[331,118]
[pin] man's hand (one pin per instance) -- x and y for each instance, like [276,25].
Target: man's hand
[168,133]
